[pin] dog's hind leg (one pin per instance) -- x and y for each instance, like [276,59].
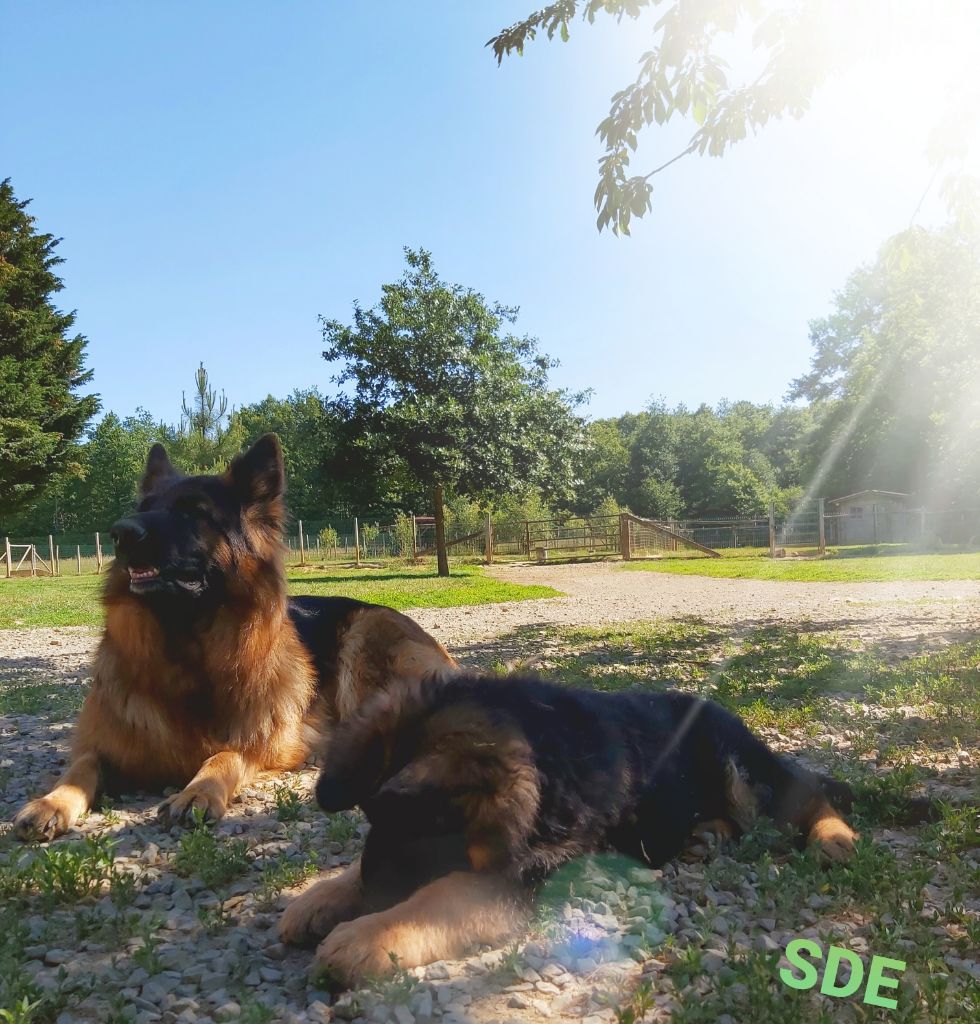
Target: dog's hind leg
[50,816]
[825,828]
[316,912]
[440,921]
[790,796]
[211,789]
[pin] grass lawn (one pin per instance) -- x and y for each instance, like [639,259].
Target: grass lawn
[74,600]
[889,725]
[855,565]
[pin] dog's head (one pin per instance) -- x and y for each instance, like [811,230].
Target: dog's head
[194,535]
[431,759]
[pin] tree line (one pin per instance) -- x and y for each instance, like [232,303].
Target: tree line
[438,399]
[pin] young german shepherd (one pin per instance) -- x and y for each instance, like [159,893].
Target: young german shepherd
[207,672]
[477,788]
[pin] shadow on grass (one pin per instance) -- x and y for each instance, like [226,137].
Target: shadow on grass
[889,550]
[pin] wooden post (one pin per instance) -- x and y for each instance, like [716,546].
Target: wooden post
[624,537]
[10,566]
[772,529]
[98,552]
[51,553]
[821,529]
[33,560]
[78,559]
[527,538]
[489,539]
[415,539]
[302,550]
[442,554]
[874,513]
[357,545]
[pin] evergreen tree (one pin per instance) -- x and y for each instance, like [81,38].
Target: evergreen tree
[42,371]
[209,436]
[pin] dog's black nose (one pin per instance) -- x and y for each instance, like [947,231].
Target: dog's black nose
[127,531]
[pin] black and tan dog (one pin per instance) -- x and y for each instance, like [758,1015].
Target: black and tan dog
[207,671]
[476,788]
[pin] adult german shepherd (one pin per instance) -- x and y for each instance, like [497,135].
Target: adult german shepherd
[477,788]
[207,672]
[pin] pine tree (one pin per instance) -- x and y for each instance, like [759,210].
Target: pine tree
[42,367]
[209,436]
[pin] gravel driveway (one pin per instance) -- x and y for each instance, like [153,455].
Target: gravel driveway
[603,592]
[210,953]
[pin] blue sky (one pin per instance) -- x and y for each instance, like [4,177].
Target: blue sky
[221,173]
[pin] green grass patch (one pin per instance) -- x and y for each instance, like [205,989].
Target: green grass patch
[74,600]
[215,861]
[841,567]
[27,695]
[789,678]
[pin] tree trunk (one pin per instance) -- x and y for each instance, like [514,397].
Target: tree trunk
[442,552]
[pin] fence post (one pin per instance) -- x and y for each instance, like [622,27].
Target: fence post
[821,532]
[302,550]
[527,538]
[33,560]
[415,539]
[10,567]
[772,529]
[78,559]
[489,539]
[98,551]
[357,545]
[624,536]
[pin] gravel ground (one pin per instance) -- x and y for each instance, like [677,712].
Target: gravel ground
[176,949]
[602,592]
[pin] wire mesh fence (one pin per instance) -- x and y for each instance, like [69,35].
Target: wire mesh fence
[808,530]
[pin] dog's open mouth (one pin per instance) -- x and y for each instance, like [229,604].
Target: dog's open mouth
[141,575]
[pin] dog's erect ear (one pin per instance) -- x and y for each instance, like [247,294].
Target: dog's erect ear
[258,474]
[158,468]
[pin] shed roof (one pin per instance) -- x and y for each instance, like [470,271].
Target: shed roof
[870,492]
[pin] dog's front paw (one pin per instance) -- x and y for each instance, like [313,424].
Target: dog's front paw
[834,839]
[190,805]
[355,951]
[43,819]
[317,911]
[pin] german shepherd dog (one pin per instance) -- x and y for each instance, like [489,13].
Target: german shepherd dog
[207,672]
[477,788]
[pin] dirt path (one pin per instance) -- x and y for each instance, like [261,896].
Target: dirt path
[904,613]
[907,616]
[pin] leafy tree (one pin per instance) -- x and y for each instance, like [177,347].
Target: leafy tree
[683,73]
[440,394]
[895,375]
[609,506]
[42,412]
[208,436]
[605,465]
[115,458]
[653,487]
[307,429]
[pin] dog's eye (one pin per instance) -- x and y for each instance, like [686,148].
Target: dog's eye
[194,509]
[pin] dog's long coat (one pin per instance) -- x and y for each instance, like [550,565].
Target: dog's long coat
[207,672]
[476,788]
